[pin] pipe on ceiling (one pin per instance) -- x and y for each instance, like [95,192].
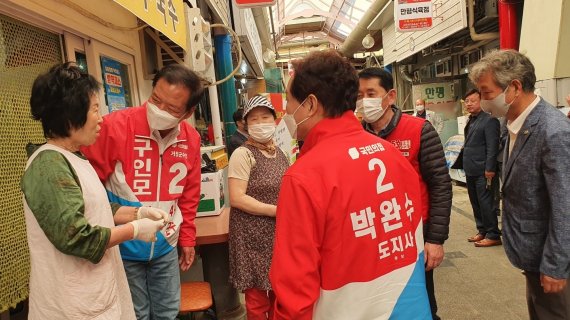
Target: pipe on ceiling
[353,42]
[474,35]
[406,74]
[305,43]
[262,22]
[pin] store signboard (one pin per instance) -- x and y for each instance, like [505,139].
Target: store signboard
[254,3]
[113,83]
[246,29]
[413,15]
[434,93]
[166,16]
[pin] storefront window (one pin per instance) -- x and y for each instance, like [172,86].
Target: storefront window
[81,60]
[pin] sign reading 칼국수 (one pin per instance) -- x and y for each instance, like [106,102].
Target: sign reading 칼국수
[413,15]
[166,16]
[254,3]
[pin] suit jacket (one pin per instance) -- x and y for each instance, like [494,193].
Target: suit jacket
[481,146]
[236,140]
[536,194]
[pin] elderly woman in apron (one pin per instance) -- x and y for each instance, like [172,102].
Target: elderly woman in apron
[76,270]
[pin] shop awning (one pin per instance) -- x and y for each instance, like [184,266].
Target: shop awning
[166,16]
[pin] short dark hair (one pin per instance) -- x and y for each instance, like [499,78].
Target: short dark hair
[470,92]
[61,98]
[384,77]
[330,77]
[180,74]
[238,115]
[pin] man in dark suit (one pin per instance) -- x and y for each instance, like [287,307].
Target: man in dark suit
[479,160]
[536,180]
[240,135]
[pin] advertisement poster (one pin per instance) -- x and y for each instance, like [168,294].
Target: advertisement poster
[113,83]
[452,148]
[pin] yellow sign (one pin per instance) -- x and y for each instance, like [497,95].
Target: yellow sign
[166,16]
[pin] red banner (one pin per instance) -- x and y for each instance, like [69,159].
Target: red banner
[254,3]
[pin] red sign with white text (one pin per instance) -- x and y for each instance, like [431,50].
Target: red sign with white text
[254,3]
[413,15]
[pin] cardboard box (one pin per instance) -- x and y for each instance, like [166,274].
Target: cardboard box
[212,197]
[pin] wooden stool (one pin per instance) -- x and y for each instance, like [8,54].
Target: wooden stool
[194,296]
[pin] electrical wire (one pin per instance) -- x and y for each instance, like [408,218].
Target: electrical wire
[110,25]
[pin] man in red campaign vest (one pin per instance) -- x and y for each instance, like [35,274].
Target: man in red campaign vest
[420,144]
[348,242]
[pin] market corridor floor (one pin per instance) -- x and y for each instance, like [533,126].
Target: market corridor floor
[476,283]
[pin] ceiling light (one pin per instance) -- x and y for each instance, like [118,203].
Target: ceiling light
[368,41]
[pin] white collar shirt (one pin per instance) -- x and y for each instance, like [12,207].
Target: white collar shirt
[516,125]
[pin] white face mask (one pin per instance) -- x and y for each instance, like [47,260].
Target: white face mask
[261,132]
[291,123]
[160,119]
[497,107]
[372,108]
[420,107]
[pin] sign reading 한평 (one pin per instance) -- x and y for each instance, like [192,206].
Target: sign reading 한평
[413,15]
[166,16]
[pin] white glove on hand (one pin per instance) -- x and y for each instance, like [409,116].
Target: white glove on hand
[153,214]
[145,229]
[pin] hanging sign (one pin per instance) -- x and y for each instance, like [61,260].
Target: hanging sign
[413,15]
[166,16]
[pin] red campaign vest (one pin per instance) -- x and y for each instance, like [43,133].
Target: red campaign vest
[406,137]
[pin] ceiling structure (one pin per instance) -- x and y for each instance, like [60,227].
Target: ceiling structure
[305,25]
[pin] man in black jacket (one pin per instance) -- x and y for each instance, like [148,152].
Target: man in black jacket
[420,144]
[478,159]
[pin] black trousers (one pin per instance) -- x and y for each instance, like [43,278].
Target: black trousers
[545,306]
[431,294]
[482,201]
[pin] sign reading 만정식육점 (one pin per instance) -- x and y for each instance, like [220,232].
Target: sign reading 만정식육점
[254,3]
[413,15]
[166,16]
